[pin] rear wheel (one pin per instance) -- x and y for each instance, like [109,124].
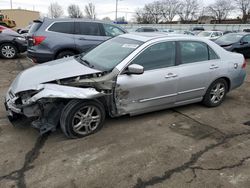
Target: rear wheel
[8,51]
[216,93]
[82,118]
[65,54]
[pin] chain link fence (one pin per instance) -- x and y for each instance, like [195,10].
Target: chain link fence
[221,27]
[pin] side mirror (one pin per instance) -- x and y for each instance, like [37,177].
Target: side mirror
[243,42]
[135,69]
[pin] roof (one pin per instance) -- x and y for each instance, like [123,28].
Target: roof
[21,10]
[147,36]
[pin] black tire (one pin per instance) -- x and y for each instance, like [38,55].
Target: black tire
[208,98]
[65,54]
[13,51]
[72,109]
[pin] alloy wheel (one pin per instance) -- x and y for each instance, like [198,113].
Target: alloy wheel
[86,120]
[217,93]
[8,51]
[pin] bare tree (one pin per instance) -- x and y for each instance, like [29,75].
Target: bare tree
[106,19]
[55,10]
[220,9]
[188,10]
[90,11]
[150,14]
[74,11]
[244,7]
[170,9]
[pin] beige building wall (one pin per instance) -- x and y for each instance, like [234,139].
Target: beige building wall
[21,17]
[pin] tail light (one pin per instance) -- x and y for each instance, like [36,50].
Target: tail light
[38,40]
[244,65]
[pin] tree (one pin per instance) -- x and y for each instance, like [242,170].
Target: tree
[90,11]
[188,10]
[106,19]
[150,14]
[74,11]
[220,9]
[170,9]
[244,7]
[55,10]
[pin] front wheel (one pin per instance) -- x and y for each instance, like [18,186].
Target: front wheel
[216,93]
[8,51]
[82,118]
[65,54]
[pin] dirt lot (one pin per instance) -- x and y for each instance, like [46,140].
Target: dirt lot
[191,146]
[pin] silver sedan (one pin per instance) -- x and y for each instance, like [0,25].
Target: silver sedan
[130,74]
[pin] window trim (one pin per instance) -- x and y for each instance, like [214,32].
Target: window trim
[208,46]
[73,31]
[139,53]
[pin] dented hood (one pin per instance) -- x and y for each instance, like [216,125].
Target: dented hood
[55,70]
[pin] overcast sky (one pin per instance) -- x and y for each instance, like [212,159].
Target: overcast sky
[103,7]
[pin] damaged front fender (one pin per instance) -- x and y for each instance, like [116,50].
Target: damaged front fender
[66,92]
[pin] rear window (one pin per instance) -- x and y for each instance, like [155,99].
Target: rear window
[62,27]
[34,27]
[88,28]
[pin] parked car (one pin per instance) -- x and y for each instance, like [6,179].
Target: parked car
[236,42]
[184,32]
[115,79]
[11,43]
[166,30]
[212,35]
[51,39]
[146,29]
[197,28]
[24,30]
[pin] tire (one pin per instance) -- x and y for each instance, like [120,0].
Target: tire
[214,96]
[65,54]
[8,51]
[75,125]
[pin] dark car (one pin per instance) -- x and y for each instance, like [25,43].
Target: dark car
[11,43]
[50,39]
[146,29]
[236,42]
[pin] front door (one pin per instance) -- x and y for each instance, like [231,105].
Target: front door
[156,88]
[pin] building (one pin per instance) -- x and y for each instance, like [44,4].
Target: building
[20,16]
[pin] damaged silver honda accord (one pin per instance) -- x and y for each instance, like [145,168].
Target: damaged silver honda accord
[130,74]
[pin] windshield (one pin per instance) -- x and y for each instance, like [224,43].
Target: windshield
[110,53]
[204,34]
[230,38]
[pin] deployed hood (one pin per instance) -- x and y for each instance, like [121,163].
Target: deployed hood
[55,70]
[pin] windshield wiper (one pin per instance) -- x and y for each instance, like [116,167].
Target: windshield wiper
[86,62]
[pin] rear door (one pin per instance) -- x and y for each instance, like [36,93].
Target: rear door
[245,46]
[88,35]
[197,69]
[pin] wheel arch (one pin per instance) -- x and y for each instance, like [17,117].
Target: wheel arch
[228,81]
[66,49]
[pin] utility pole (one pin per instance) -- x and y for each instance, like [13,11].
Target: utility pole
[10,4]
[116,9]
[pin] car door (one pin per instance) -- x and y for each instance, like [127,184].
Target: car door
[88,35]
[156,88]
[245,46]
[195,70]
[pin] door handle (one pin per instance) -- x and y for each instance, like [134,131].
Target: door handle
[171,75]
[214,67]
[82,38]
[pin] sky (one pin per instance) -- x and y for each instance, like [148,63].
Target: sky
[104,8]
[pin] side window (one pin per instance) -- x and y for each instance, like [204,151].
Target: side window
[62,27]
[212,54]
[246,38]
[193,52]
[160,55]
[112,31]
[88,28]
